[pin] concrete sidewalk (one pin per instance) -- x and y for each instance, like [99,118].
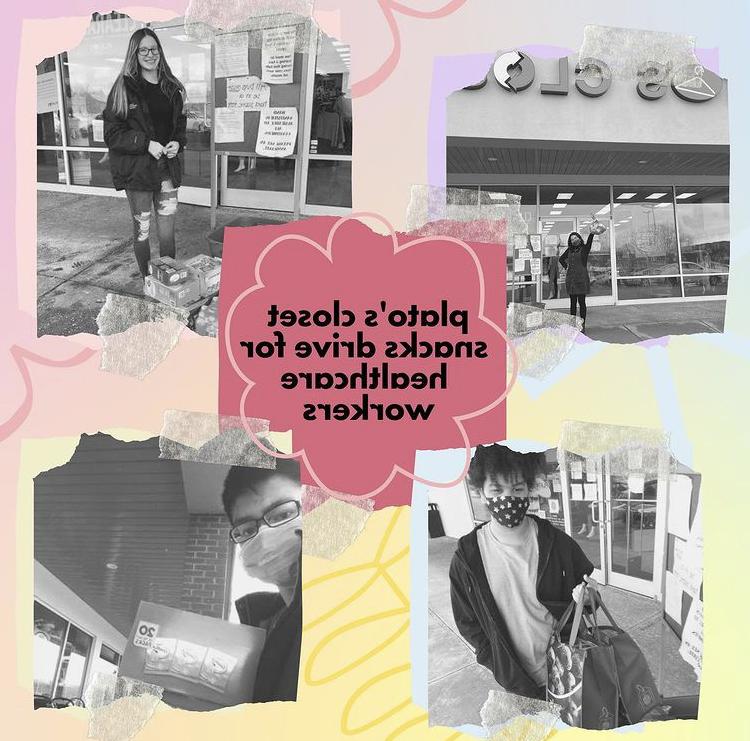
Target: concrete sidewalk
[627,324]
[457,686]
[85,251]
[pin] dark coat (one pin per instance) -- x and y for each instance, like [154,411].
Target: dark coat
[131,165]
[562,565]
[278,668]
[575,261]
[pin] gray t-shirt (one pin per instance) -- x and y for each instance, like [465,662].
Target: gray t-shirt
[511,558]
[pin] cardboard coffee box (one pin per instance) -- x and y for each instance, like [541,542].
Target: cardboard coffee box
[202,663]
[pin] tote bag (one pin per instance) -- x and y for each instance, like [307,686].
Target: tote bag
[639,694]
[582,674]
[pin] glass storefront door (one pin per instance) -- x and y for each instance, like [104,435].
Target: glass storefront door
[555,231]
[72,90]
[583,500]
[635,520]
[246,178]
[617,518]
[250,181]
[567,208]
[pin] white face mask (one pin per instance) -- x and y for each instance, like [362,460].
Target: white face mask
[273,554]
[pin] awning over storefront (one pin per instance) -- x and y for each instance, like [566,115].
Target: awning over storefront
[481,161]
[112,525]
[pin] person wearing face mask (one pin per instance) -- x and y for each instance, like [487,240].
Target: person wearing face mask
[577,281]
[264,510]
[512,577]
[145,130]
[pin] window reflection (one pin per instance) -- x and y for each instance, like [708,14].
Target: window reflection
[567,208]
[260,173]
[497,195]
[629,289]
[645,235]
[190,61]
[48,130]
[90,168]
[73,664]
[329,183]
[705,285]
[50,167]
[703,221]
[61,653]
[89,71]
[331,121]
[49,633]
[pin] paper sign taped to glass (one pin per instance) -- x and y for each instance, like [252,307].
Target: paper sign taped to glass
[202,663]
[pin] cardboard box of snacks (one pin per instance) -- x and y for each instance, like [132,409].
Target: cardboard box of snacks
[180,295]
[168,271]
[208,270]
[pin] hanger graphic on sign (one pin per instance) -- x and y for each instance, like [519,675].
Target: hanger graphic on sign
[696,88]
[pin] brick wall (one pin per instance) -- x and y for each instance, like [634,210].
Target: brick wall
[207,561]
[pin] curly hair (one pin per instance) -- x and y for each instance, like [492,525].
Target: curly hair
[489,460]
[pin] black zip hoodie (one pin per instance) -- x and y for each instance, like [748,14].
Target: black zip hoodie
[130,163]
[278,668]
[562,565]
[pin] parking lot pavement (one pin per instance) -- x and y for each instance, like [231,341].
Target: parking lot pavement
[85,251]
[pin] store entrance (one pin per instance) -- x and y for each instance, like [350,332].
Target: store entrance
[617,520]
[250,181]
[555,231]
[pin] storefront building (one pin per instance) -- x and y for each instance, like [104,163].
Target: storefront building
[650,160]
[72,89]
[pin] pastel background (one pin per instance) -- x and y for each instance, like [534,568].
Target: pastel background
[694,386]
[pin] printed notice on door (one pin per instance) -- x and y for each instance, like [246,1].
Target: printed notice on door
[230,50]
[229,124]
[277,132]
[247,93]
[46,92]
[277,55]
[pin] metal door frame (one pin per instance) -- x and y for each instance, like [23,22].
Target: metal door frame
[601,515]
[608,300]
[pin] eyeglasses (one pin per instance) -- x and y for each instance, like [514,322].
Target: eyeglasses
[146,50]
[279,514]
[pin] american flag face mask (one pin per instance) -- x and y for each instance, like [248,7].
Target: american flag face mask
[508,511]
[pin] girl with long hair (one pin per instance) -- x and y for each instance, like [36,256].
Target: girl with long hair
[577,281]
[144,128]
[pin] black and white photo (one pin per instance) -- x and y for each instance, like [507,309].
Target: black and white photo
[563,578]
[150,141]
[180,574]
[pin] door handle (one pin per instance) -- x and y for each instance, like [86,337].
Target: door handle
[594,519]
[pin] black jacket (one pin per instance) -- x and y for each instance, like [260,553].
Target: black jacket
[278,668]
[131,165]
[575,261]
[562,565]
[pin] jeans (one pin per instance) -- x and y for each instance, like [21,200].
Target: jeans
[165,206]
